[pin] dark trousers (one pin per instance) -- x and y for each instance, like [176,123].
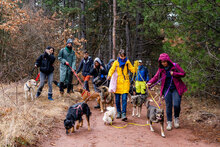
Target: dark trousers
[173,99]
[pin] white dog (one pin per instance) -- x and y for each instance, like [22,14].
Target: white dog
[29,88]
[109,115]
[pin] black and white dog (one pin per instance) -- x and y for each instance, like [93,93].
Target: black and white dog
[155,115]
[75,113]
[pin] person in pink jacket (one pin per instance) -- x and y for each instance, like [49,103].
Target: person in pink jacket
[172,87]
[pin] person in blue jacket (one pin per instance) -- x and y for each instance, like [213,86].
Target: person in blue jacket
[141,79]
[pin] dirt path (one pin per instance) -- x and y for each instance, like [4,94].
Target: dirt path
[106,136]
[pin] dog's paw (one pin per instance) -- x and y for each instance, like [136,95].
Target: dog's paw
[77,126]
[163,135]
[89,129]
[139,115]
[151,129]
[102,111]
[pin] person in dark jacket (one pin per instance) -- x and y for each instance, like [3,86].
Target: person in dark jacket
[98,72]
[142,78]
[85,65]
[107,67]
[45,62]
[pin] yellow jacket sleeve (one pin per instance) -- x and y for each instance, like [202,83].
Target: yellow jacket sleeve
[131,67]
[112,69]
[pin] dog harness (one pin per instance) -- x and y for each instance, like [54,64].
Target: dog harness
[77,108]
[29,88]
[88,94]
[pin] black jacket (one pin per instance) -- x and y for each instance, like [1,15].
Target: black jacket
[98,72]
[85,66]
[45,62]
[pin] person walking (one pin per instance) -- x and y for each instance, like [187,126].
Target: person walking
[172,87]
[141,78]
[67,58]
[121,65]
[45,62]
[85,65]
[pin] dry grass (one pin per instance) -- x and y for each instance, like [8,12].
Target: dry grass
[24,121]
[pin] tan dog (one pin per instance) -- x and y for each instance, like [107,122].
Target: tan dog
[106,98]
[88,96]
[29,88]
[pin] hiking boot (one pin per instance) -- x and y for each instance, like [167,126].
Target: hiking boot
[169,125]
[97,106]
[176,122]
[118,115]
[123,117]
[38,94]
[50,97]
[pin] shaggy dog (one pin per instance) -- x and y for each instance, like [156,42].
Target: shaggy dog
[29,88]
[106,98]
[75,113]
[137,101]
[109,115]
[155,115]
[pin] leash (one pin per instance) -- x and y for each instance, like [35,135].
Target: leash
[148,89]
[76,76]
[129,124]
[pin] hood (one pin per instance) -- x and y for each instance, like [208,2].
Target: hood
[110,61]
[164,57]
[98,60]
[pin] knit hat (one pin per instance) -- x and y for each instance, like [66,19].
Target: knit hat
[69,41]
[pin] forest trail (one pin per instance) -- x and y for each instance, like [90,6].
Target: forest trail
[106,136]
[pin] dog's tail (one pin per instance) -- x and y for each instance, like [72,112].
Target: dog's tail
[148,102]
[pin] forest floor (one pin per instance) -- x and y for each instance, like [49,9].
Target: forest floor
[40,123]
[195,130]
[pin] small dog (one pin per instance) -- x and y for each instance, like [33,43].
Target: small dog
[75,113]
[106,98]
[109,115]
[86,96]
[29,88]
[137,101]
[155,115]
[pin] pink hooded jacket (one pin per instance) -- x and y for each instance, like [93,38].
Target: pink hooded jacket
[178,72]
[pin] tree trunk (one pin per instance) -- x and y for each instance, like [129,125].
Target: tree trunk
[110,29]
[127,32]
[83,22]
[114,30]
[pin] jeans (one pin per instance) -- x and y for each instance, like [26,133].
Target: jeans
[124,102]
[42,81]
[173,99]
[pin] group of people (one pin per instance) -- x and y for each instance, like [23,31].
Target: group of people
[168,73]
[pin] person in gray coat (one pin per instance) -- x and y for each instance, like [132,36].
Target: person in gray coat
[67,58]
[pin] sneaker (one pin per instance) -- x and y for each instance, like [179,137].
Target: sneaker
[97,106]
[169,125]
[123,117]
[118,115]
[176,122]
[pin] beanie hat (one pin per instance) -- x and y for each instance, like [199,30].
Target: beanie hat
[69,41]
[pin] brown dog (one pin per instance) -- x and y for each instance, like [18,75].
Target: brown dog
[106,98]
[88,96]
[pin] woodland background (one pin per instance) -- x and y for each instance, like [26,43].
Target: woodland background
[188,30]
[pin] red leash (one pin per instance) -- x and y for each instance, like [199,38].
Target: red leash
[76,76]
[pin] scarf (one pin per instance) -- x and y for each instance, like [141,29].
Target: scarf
[122,61]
